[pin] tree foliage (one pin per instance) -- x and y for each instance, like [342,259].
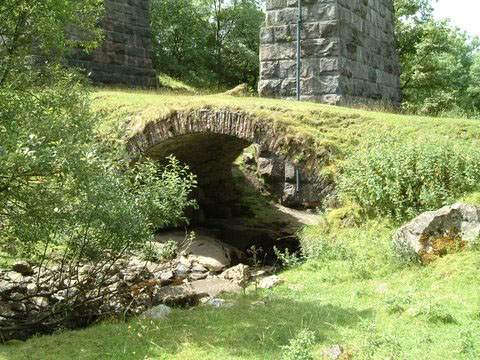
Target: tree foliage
[44,28]
[61,185]
[68,195]
[436,60]
[207,42]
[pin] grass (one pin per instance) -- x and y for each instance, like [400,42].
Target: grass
[335,131]
[373,306]
[169,83]
[353,291]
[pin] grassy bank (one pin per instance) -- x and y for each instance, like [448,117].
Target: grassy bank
[342,128]
[353,291]
[355,295]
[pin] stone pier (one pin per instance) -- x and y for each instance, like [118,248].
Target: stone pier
[347,49]
[125,57]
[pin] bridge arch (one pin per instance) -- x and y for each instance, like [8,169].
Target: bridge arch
[209,141]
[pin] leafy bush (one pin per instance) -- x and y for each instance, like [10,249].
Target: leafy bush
[436,312]
[317,243]
[400,180]
[288,259]
[61,187]
[300,347]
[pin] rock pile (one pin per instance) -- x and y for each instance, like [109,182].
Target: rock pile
[36,300]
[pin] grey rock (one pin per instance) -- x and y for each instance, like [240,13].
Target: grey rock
[6,287]
[248,158]
[333,352]
[167,275]
[14,276]
[271,168]
[40,301]
[158,312]
[270,282]
[215,286]
[195,276]
[209,252]
[435,233]
[179,296]
[23,268]
[199,268]
[182,270]
[238,274]
[6,310]
[220,303]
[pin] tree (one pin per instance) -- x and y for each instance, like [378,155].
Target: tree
[180,32]
[44,28]
[68,195]
[435,58]
[206,41]
[474,86]
[241,44]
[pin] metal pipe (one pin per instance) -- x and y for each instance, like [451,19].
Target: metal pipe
[299,48]
[297,180]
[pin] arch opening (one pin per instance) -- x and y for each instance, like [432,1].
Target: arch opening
[234,205]
[235,197]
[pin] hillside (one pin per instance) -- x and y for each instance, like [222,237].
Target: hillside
[351,291]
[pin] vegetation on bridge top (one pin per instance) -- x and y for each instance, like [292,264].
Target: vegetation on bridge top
[343,129]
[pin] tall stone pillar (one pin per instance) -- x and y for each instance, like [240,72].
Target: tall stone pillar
[125,57]
[347,50]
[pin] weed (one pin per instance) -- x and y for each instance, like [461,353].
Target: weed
[300,347]
[467,344]
[398,303]
[435,312]
[287,259]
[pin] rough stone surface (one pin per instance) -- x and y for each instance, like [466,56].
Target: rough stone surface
[270,282]
[209,253]
[215,286]
[348,52]
[125,57]
[200,254]
[22,267]
[436,233]
[220,303]
[130,287]
[157,313]
[280,178]
[209,141]
[333,352]
[238,274]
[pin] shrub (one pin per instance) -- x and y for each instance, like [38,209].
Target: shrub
[67,199]
[402,179]
[300,347]
[288,259]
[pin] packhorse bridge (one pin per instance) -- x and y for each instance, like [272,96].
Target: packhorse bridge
[209,141]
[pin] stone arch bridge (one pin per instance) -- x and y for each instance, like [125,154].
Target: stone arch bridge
[210,140]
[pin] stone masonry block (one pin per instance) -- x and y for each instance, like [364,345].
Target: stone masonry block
[125,57]
[347,51]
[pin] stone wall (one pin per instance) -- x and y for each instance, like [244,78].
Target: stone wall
[125,57]
[348,51]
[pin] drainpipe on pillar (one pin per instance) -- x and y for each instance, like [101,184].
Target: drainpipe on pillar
[299,48]
[297,180]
